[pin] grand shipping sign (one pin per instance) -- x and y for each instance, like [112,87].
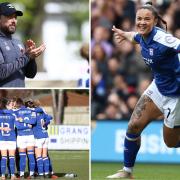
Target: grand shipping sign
[69,137]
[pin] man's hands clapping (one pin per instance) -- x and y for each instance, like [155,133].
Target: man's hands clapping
[32,51]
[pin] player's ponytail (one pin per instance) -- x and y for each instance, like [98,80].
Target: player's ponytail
[161,22]
[149,3]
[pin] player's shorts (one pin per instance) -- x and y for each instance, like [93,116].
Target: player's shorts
[7,145]
[25,141]
[41,143]
[169,106]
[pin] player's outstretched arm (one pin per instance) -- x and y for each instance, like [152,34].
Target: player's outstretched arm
[121,35]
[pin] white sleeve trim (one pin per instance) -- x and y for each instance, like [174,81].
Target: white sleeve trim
[166,39]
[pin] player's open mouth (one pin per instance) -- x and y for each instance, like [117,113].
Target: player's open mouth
[142,28]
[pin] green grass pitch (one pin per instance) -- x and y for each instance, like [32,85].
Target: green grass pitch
[141,171]
[70,162]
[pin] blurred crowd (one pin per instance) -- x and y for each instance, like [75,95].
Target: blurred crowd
[119,75]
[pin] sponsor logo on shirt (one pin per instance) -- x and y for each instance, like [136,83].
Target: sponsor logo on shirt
[148,61]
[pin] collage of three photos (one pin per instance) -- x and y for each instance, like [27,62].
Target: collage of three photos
[89,89]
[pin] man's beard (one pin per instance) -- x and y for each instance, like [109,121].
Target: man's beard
[9,30]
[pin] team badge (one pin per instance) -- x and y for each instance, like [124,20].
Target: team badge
[151,51]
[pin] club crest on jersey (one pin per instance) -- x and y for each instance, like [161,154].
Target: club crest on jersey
[151,51]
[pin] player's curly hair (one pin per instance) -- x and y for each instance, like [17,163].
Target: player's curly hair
[161,22]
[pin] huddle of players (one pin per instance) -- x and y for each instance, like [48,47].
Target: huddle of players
[24,126]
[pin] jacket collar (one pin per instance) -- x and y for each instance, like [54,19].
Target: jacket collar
[5,35]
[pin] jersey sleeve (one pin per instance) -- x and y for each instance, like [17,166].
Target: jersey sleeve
[137,38]
[47,119]
[30,69]
[178,49]
[39,110]
[171,44]
[176,45]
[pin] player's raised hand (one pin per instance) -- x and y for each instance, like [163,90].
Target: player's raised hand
[33,53]
[120,35]
[118,31]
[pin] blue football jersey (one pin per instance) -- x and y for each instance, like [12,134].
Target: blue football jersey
[160,51]
[42,121]
[25,118]
[7,120]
